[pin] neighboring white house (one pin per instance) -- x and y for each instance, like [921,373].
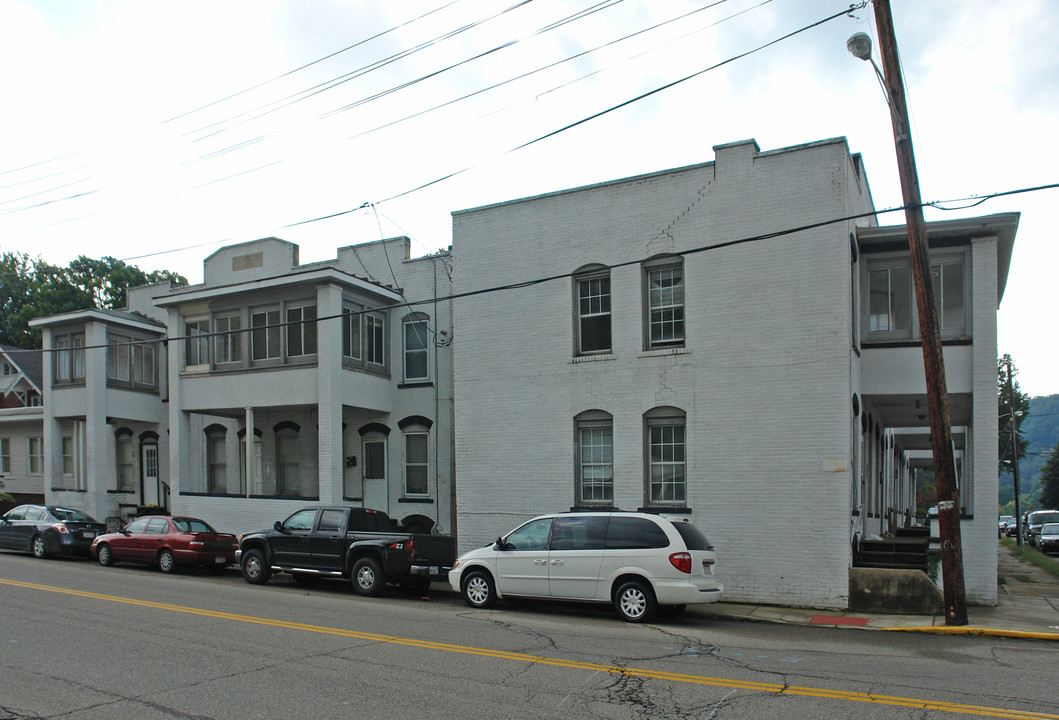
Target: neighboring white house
[21,425]
[658,343]
[340,370]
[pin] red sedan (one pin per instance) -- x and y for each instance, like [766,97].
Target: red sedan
[168,541]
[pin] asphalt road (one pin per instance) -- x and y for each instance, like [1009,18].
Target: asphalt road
[79,642]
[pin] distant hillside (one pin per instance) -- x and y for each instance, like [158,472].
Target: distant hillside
[1041,428]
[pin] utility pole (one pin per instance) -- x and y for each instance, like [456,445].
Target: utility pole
[934,366]
[1014,452]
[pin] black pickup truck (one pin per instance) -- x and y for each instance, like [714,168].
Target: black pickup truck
[362,545]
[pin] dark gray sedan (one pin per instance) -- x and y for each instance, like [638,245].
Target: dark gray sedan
[48,530]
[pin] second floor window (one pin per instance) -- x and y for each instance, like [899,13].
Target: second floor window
[301,330]
[415,350]
[196,342]
[228,342]
[69,358]
[351,333]
[265,335]
[593,314]
[892,313]
[375,339]
[665,306]
[118,352]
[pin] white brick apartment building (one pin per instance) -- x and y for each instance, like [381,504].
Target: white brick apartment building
[653,343]
[339,371]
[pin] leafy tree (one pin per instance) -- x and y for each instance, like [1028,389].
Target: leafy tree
[1050,481]
[35,288]
[1010,413]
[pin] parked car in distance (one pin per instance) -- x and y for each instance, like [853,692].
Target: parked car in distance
[1048,539]
[642,563]
[48,529]
[1003,524]
[169,542]
[1034,521]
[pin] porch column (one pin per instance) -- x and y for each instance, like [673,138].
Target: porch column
[101,473]
[329,391]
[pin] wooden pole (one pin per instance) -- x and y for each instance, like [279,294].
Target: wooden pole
[933,363]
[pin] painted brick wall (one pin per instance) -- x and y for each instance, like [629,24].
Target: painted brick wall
[764,378]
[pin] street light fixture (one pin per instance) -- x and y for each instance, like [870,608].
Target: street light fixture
[933,362]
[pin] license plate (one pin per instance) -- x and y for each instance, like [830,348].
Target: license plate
[88,534]
[220,560]
[433,569]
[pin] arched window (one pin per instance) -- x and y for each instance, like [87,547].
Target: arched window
[664,300]
[216,458]
[666,456]
[416,430]
[594,458]
[288,481]
[124,460]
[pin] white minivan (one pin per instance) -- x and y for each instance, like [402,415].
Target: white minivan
[640,562]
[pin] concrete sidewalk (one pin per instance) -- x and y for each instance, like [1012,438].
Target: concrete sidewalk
[1027,607]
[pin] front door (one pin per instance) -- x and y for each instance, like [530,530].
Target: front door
[522,567]
[152,494]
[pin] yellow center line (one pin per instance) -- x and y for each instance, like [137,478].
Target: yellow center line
[776,688]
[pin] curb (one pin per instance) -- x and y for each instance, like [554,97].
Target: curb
[977,632]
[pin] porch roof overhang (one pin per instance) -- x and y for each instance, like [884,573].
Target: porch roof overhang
[181,296]
[1002,225]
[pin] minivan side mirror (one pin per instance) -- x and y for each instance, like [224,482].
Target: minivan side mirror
[501,545]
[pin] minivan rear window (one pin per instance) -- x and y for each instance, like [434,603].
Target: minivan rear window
[634,533]
[693,537]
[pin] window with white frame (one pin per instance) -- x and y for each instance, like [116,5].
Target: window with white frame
[143,359]
[416,462]
[228,340]
[5,455]
[35,450]
[416,366]
[118,353]
[666,457]
[351,342]
[216,459]
[68,455]
[124,461]
[375,339]
[301,330]
[265,334]
[69,358]
[595,458]
[892,313]
[592,292]
[196,342]
[664,283]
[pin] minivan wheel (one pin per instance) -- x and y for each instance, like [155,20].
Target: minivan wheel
[478,589]
[635,602]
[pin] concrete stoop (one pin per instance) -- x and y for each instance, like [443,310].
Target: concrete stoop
[893,591]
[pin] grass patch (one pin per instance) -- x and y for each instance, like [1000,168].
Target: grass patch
[1027,554]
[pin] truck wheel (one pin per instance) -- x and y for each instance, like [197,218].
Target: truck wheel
[368,579]
[255,570]
[478,589]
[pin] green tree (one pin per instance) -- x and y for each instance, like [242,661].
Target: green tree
[35,288]
[1050,480]
[1010,413]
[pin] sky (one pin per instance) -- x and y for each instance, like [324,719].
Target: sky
[158,132]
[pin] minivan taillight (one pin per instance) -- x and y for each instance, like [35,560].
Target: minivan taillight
[681,561]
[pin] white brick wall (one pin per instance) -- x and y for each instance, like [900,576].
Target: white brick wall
[764,379]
